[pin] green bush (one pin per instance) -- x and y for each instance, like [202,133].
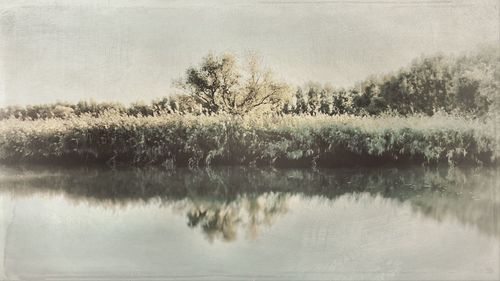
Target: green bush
[287,140]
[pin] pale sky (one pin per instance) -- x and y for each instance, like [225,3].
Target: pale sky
[131,50]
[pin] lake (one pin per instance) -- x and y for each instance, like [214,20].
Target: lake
[410,223]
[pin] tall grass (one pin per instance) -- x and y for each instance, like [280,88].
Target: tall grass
[175,140]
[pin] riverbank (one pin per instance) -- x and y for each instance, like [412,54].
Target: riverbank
[175,140]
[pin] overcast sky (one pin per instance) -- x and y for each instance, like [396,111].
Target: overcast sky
[132,50]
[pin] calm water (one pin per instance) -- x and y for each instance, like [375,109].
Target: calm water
[234,223]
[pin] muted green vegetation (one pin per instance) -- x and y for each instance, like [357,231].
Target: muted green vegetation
[224,139]
[440,109]
[466,85]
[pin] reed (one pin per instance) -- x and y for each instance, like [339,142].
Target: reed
[184,140]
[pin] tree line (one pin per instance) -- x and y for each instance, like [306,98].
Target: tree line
[468,85]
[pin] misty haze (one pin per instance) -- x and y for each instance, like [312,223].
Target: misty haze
[249,140]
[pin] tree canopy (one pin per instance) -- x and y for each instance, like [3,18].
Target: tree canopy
[466,85]
[221,85]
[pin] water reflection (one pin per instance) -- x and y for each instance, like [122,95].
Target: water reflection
[222,219]
[223,201]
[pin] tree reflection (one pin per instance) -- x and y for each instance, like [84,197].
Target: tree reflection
[225,201]
[222,220]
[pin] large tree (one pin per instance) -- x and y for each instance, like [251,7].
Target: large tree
[221,85]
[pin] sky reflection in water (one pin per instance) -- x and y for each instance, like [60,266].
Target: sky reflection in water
[241,223]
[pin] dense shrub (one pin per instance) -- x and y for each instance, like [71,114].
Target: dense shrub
[468,85]
[172,104]
[290,140]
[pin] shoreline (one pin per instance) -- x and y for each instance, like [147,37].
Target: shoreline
[280,141]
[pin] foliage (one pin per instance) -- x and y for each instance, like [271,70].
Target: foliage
[188,140]
[468,85]
[170,105]
[220,85]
